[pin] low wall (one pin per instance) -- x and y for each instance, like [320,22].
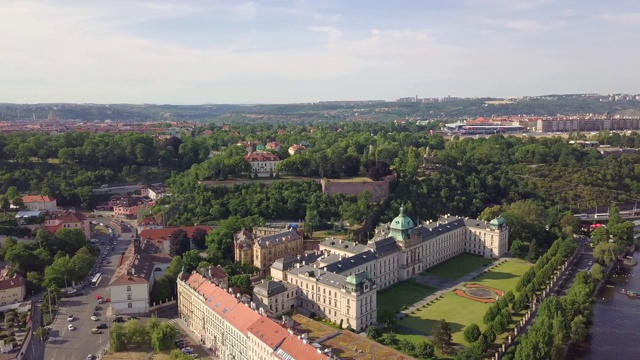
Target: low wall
[162,305]
[379,190]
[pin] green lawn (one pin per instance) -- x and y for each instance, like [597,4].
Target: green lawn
[504,276]
[459,266]
[403,294]
[460,312]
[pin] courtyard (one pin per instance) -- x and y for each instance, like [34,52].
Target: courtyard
[459,266]
[393,299]
[459,311]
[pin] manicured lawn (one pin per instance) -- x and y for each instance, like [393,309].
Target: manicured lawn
[459,266]
[504,276]
[457,311]
[460,312]
[403,294]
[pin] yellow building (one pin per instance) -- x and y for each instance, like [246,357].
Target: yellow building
[262,247]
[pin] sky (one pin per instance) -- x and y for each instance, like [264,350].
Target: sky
[292,51]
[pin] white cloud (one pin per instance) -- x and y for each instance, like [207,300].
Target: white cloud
[628,19]
[246,11]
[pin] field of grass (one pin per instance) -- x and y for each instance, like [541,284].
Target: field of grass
[403,294]
[459,266]
[460,312]
[504,276]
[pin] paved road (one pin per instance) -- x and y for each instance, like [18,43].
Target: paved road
[64,344]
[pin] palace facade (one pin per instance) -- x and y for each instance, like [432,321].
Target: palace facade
[341,280]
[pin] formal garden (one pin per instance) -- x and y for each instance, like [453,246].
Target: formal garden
[13,327]
[460,311]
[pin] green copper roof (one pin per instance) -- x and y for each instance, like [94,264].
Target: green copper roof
[497,221]
[402,222]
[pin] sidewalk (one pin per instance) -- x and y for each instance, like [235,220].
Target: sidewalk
[194,339]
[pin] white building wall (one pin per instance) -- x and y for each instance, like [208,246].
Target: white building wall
[129,299]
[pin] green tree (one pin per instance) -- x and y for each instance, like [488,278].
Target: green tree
[177,354]
[117,338]
[442,336]
[243,282]
[42,333]
[199,238]
[578,328]
[424,350]
[605,253]
[597,272]
[406,346]
[191,259]
[390,339]
[472,333]
[311,221]
[163,337]
[491,213]
[373,332]
[136,333]
[474,351]
[179,243]
[600,235]
[518,249]
[614,216]
[569,223]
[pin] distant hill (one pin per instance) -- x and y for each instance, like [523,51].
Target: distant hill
[330,111]
[628,113]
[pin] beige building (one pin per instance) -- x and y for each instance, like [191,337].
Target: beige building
[12,288]
[232,329]
[263,164]
[341,280]
[131,284]
[275,297]
[265,245]
[39,202]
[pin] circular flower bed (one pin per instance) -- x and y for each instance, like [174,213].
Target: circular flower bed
[479,293]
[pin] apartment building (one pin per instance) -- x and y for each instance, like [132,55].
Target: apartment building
[232,329]
[263,164]
[275,297]
[68,220]
[39,202]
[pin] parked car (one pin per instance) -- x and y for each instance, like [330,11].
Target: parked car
[96,308]
[94,318]
[70,318]
[89,357]
[118,319]
[71,327]
[100,301]
[102,326]
[96,331]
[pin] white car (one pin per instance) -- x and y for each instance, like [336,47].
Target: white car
[94,318]
[71,327]
[70,318]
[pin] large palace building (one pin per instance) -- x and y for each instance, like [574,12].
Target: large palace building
[341,280]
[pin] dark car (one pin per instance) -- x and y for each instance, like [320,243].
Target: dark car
[118,319]
[134,318]
[96,308]
[79,293]
[102,326]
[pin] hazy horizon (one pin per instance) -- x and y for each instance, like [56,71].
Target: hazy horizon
[299,51]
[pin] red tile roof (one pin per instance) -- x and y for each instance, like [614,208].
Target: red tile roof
[12,282]
[268,331]
[165,233]
[298,350]
[261,156]
[36,198]
[241,317]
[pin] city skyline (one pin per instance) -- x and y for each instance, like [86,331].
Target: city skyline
[193,52]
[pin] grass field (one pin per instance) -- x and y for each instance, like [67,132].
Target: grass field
[459,266]
[403,294]
[460,312]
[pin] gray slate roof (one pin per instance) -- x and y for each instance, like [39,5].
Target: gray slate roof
[345,246]
[351,262]
[282,237]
